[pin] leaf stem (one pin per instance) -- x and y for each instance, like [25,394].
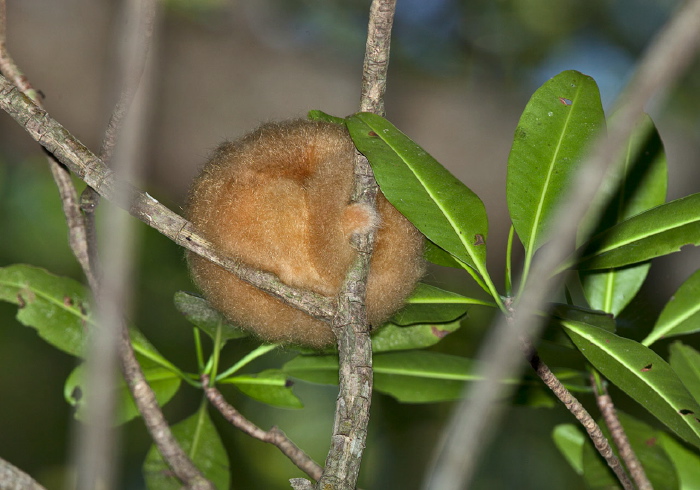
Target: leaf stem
[260,351]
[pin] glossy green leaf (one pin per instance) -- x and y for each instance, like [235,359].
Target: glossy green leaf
[686,462]
[556,128]
[271,386]
[642,187]
[560,312]
[393,337]
[435,201]
[201,442]
[429,304]
[199,312]
[685,361]
[57,307]
[569,439]
[681,315]
[163,382]
[642,374]
[645,444]
[316,115]
[438,256]
[660,231]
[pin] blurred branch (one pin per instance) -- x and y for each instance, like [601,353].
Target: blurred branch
[88,167]
[472,423]
[273,436]
[350,324]
[12,478]
[617,432]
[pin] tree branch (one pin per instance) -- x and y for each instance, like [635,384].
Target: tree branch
[12,478]
[88,167]
[617,432]
[472,423]
[350,323]
[273,436]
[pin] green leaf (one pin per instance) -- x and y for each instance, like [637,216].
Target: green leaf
[561,312]
[316,115]
[429,304]
[556,128]
[569,439]
[681,315]
[644,441]
[57,307]
[660,231]
[685,361]
[163,382]
[686,462]
[393,337]
[435,201]
[438,256]
[314,369]
[271,386]
[200,440]
[200,313]
[642,186]
[642,374]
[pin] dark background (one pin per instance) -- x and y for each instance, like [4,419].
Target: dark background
[461,72]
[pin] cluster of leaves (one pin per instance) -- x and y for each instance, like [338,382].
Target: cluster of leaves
[554,132]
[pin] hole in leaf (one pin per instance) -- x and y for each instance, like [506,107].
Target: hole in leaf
[565,101]
[372,133]
[439,333]
[20,301]
[68,301]
[76,394]
[646,368]
[288,383]
[478,239]
[685,411]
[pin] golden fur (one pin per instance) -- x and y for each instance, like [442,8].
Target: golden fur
[279,200]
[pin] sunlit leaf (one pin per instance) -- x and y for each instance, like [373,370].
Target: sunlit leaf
[569,439]
[201,442]
[57,307]
[271,386]
[642,187]
[435,201]
[685,361]
[554,133]
[642,374]
[163,382]
[681,315]
[199,312]
[660,231]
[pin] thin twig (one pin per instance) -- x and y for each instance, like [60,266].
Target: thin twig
[471,425]
[350,324]
[88,167]
[617,432]
[273,436]
[574,406]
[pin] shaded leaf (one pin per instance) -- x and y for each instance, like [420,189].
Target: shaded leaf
[644,441]
[653,233]
[435,201]
[394,337]
[163,382]
[642,374]
[686,462]
[553,331]
[316,115]
[438,256]
[429,304]
[685,361]
[57,307]
[681,315]
[569,439]
[201,442]
[200,313]
[642,187]
[271,386]
[553,134]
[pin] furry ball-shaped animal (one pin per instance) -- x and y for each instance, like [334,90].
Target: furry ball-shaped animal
[278,199]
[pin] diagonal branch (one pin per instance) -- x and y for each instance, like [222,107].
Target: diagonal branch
[88,167]
[472,423]
[350,324]
[274,436]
